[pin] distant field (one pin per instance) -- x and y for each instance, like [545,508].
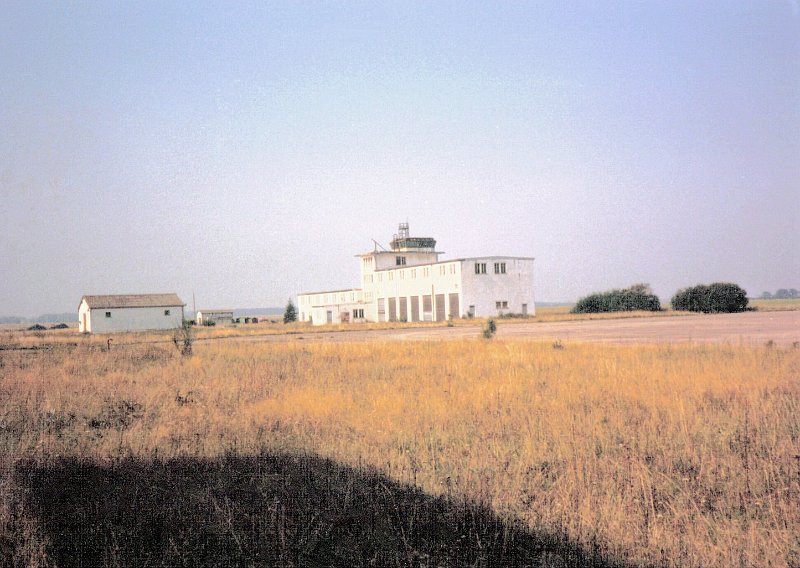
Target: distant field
[773,305]
[499,452]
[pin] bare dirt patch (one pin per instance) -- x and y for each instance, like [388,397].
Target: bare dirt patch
[782,328]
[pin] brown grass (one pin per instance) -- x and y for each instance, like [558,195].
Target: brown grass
[683,455]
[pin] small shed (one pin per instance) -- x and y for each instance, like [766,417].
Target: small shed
[129,312]
[214,317]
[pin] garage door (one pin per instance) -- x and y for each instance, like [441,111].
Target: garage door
[453,311]
[441,308]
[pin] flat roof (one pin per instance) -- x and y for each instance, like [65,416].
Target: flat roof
[331,291]
[467,259]
[398,252]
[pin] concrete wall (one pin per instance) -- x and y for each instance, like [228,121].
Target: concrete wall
[412,284]
[129,319]
[395,293]
[515,286]
[315,306]
[219,318]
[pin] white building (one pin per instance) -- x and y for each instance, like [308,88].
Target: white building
[129,312]
[410,283]
[214,317]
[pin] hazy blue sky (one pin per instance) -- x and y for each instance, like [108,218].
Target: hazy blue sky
[245,152]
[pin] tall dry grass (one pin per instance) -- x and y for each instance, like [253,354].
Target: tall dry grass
[682,455]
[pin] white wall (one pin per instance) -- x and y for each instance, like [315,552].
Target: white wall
[316,305]
[484,290]
[414,281]
[131,319]
[84,321]
[219,318]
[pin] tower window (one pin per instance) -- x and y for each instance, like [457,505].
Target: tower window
[400,261]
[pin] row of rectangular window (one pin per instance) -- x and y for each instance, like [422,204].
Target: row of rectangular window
[499,268]
[426,272]
[326,298]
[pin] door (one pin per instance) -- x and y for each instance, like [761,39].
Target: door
[427,308]
[453,313]
[441,308]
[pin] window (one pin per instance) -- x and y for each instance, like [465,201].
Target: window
[452,269]
[499,267]
[400,261]
[108,314]
[480,268]
[426,272]
[413,273]
[358,313]
[501,305]
[442,270]
[166,312]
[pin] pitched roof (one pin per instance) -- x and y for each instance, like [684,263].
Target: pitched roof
[133,301]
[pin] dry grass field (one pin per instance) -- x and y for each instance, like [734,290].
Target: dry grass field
[479,453]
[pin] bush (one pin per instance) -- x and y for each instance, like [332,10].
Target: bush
[637,297]
[719,297]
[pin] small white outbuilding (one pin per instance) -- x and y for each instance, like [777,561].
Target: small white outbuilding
[214,317]
[129,312]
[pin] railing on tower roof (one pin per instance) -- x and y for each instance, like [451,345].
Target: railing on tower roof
[403,241]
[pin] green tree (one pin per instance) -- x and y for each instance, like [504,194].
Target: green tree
[290,314]
[719,297]
[637,297]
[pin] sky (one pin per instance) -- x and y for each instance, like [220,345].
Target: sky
[245,152]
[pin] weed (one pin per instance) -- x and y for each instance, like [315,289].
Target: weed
[489,329]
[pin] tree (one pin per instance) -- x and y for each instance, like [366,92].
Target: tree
[290,314]
[719,297]
[637,297]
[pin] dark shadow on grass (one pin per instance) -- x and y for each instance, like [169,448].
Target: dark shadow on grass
[268,510]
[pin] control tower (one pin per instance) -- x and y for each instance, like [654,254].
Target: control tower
[403,242]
